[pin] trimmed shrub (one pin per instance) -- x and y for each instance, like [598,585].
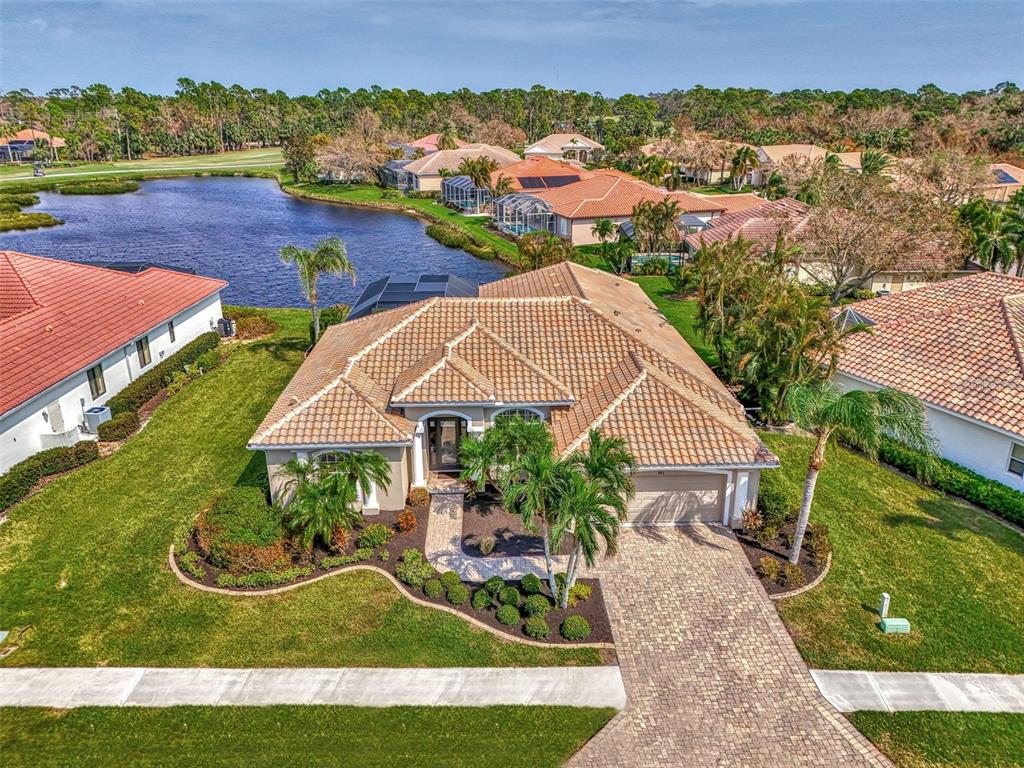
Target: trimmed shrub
[335,561]
[384,555]
[413,569]
[766,535]
[775,505]
[531,584]
[119,427]
[406,522]
[418,499]
[956,480]
[19,480]
[792,576]
[537,627]
[209,360]
[770,568]
[376,535]
[487,544]
[450,235]
[652,266]
[458,594]
[494,585]
[508,615]
[189,563]
[482,600]
[263,578]
[433,589]
[242,533]
[449,579]
[250,322]
[575,628]
[149,384]
[420,194]
[509,596]
[579,593]
[537,605]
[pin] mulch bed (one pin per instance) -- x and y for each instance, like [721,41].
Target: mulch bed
[484,515]
[593,609]
[778,549]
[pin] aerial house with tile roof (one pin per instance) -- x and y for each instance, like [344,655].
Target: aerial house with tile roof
[74,335]
[957,345]
[573,346]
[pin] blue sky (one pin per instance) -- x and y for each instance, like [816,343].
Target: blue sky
[612,46]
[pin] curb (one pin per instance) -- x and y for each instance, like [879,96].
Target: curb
[806,587]
[401,588]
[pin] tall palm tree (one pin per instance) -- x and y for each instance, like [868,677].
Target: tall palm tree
[743,162]
[328,257]
[995,233]
[603,230]
[873,162]
[319,503]
[478,169]
[586,512]
[608,462]
[448,137]
[862,419]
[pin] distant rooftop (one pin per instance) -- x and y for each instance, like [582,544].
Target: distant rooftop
[398,290]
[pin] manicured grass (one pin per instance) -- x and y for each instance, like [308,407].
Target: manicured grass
[258,737]
[946,739]
[83,562]
[955,572]
[681,313]
[257,159]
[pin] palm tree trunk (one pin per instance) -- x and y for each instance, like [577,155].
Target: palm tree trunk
[570,577]
[813,468]
[316,320]
[552,584]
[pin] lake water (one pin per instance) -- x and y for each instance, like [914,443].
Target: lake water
[233,228]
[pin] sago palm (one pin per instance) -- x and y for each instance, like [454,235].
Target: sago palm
[873,162]
[862,419]
[319,503]
[328,257]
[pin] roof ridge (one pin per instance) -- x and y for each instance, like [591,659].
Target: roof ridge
[548,376]
[429,371]
[382,416]
[610,408]
[17,274]
[462,367]
[353,359]
[1016,333]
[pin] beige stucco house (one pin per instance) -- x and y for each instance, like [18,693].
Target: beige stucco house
[576,347]
[564,146]
[424,174]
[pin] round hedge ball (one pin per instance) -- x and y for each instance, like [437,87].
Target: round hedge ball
[537,627]
[537,605]
[509,596]
[508,615]
[458,594]
[575,628]
[481,600]
[449,579]
[433,588]
[494,584]
[531,584]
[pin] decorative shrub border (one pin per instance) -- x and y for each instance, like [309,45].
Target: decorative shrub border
[401,588]
[806,587]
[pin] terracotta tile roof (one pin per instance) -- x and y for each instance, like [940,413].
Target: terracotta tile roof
[557,142]
[57,318]
[778,152]
[605,194]
[761,223]
[536,168]
[523,341]
[31,134]
[449,159]
[428,143]
[958,344]
[734,203]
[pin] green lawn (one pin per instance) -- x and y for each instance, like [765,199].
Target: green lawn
[83,562]
[269,737]
[250,159]
[946,739]
[952,569]
[681,314]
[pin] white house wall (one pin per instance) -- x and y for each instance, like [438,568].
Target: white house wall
[984,449]
[27,429]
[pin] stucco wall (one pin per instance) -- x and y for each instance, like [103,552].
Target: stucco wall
[28,428]
[984,449]
[427,183]
[579,230]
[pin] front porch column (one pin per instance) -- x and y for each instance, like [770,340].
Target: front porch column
[419,480]
[474,428]
[740,499]
[371,506]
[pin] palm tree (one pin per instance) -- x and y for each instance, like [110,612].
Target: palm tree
[873,162]
[476,455]
[478,169]
[603,230]
[608,462]
[653,169]
[995,233]
[448,137]
[862,419]
[743,162]
[328,257]
[585,511]
[619,255]
[362,469]
[320,502]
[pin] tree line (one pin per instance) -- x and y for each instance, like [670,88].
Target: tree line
[100,123]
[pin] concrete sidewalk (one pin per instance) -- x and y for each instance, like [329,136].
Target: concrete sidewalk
[849,691]
[64,688]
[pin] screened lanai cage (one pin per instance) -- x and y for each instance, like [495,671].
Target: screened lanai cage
[460,192]
[394,175]
[519,214]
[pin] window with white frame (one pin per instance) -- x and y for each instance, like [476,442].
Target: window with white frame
[1016,460]
[97,386]
[142,348]
[511,413]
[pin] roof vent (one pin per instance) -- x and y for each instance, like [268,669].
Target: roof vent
[142,302]
[49,329]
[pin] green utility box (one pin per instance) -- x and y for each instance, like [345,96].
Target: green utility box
[895,626]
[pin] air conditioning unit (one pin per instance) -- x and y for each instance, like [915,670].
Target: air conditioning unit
[95,416]
[226,327]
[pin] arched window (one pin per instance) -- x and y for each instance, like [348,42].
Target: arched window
[527,414]
[327,458]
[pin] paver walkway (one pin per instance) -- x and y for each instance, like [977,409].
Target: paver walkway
[443,547]
[912,691]
[712,677]
[166,687]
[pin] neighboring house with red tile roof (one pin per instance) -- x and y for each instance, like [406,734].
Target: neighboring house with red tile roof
[564,146]
[573,346]
[22,144]
[424,174]
[74,335]
[428,143]
[957,345]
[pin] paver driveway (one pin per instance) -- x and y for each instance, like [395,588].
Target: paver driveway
[712,677]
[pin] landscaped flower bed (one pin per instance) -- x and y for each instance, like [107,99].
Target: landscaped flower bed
[489,530]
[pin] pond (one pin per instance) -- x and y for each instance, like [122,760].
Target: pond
[233,228]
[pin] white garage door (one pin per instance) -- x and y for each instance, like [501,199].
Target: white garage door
[678,498]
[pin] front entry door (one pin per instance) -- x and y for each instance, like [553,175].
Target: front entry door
[444,433]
